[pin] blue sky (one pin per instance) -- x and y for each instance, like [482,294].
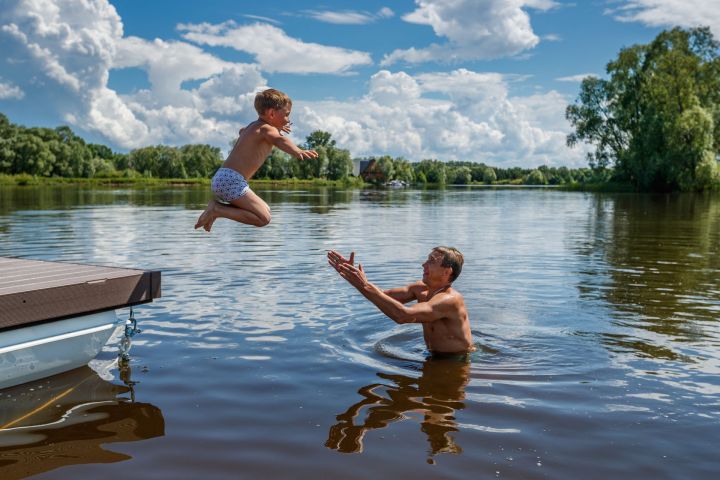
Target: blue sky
[476,80]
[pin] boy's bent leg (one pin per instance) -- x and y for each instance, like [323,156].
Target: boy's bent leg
[249,209]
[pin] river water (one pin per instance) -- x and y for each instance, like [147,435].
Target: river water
[595,317]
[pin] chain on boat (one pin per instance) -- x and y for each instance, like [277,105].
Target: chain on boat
[131,329]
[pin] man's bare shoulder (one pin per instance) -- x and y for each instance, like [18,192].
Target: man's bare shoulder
[449,298]
[418,288]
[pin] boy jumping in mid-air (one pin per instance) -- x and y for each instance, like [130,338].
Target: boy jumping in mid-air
[230,183]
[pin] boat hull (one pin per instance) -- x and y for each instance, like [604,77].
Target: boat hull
[38,351]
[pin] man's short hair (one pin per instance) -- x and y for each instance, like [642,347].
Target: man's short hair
[271,98]
[451,257]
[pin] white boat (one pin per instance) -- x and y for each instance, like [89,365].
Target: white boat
[57,316]
[396,184]
[37,351]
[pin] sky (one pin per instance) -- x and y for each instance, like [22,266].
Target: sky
[471,80]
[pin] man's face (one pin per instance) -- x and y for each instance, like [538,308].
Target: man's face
[433,269]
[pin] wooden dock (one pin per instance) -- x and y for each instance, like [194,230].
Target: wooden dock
[33,291]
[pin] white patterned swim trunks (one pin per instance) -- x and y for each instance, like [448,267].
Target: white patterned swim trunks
[229,185]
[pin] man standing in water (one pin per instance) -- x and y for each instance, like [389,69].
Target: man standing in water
[439,308]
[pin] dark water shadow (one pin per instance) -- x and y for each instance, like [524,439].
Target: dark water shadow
[436,394]
[67,420]
[653,260]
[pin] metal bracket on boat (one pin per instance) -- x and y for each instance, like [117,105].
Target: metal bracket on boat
[131,329]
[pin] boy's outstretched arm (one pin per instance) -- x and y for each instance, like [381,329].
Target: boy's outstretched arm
[286,145]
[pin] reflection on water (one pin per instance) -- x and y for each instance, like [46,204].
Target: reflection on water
[595,317]
[67,419]
[435,395]
[654,259]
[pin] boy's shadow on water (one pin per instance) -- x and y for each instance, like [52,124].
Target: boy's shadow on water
[436,394]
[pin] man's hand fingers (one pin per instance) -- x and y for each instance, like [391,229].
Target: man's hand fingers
[352,258]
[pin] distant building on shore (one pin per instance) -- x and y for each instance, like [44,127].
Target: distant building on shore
[369,171]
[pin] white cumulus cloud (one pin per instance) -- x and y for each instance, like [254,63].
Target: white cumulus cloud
[666,13]
[61,54]
[9,91]
[577,78]
[349,17]
[341,18]
[458,115]
[473,29]
[274,50]
[168,64]
[41,36]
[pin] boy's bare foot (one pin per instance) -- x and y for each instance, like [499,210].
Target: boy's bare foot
[206,217]
[208,225]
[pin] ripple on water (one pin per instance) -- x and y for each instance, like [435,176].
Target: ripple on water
[540,355]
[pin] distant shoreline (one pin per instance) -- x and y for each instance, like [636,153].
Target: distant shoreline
[23,180]
[30,180]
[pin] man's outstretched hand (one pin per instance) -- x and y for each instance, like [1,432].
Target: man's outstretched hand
[347,269]
[336,260]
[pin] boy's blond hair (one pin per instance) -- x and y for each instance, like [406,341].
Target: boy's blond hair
[271,98]
[451,257]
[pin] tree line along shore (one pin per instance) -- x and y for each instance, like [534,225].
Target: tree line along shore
[654,124]
[37,155]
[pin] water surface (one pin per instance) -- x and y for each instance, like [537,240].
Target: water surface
[596,318]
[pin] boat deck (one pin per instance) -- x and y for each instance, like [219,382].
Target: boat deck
[34,291]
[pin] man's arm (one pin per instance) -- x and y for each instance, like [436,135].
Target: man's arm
[438,307]
[401,294]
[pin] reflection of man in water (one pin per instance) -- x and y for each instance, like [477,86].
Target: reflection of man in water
[437,394]
[439,308]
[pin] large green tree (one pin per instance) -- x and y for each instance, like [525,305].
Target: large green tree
[332,162]
[403,170]
[200,160]
[339,164]
[433,171]
[656,119]
[158,161]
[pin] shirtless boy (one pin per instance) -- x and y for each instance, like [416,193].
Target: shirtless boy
[230,183]
[439,308]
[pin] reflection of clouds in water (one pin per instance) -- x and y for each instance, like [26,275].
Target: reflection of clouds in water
[488,398]
[266,338]
[485,429]
[657,377]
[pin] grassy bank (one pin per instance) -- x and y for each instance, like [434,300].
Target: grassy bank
[24,179]
[607,187]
